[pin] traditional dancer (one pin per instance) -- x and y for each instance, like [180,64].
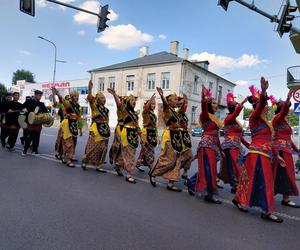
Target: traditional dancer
[209,149]
[149,135]
[168,164]
[115,155]
[33,133]
[231,165]
[14,109]
[71,126]
[186,155]
[284,177]
[4,105]
[96,147]
[256,185]
[129,135]
[61,112]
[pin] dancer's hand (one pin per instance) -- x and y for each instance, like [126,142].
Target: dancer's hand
[111,91]
[264,84]
[160,91]
[90,86]
[281,161]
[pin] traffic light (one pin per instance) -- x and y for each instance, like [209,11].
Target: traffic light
[224,4]
[285,25]
[28,7]
[103,18]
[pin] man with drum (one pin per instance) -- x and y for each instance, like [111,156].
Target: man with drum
[3,112]
[34,130]
[14,109]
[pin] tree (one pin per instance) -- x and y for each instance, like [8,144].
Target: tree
[22,74]
[247,113]
[293,119]
[3,90]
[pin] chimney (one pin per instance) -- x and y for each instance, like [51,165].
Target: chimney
[174,48]
[144,51]
[186,53]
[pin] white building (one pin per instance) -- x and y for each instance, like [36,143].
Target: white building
[64,87]
[172,73]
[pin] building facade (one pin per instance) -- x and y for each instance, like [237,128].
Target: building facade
[142,75]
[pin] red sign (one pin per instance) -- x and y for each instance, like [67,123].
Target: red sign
[56,85]
[296,95]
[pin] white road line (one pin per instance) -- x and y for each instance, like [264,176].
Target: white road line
[228,202]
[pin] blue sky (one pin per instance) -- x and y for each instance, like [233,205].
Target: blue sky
[238,43]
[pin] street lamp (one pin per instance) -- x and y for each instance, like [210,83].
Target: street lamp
[55,53]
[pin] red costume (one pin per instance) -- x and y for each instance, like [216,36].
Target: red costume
[234,153]
[256,186]
[208,151]
[284,177]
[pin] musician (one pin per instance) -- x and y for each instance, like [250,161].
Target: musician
[71,126]
[14,109]
[25,131]
[3,112]
[33,134]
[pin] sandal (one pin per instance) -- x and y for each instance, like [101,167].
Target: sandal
[101,170]
[58,156]
[70,164]
[213,200]
[119,172]
[173,188]
[152,180]
[271,217]
[239,206]
[130,180]
[83,166]
[74,160]
[140,169]
[289,204]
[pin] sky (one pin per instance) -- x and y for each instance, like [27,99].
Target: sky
[239,44]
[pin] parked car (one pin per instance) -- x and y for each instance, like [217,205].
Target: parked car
[197,131]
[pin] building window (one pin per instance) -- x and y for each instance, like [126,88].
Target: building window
[112,82]
[193,119]
[220,94]
[101,83]
[151,81]
[211,85]
[165,80]
[130,82]
[196,85]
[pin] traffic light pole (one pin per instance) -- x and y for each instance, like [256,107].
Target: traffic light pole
[74,7]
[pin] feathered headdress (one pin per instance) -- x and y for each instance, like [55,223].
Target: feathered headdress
[230,98]
[255,93]
[208,94]
[274,102]
[174,95]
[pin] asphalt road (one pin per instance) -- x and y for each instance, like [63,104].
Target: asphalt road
[45,205]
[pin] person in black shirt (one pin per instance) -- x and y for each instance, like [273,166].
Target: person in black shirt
[14,108]
[34,130]
[25,131]
[3,112]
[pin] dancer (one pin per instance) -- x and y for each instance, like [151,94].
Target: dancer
[284,177]
[231,165]
[168,164]
[256,185]
[186,155]
[149,134]
[96,147]
[115,156]
[129,135]
[4,105]
[71,126]
[209,149]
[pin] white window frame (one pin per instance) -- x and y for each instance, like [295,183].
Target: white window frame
[151,81]
[165,81]
[112,82]
[193,114]
[130,82]
[101,83]
[196,85]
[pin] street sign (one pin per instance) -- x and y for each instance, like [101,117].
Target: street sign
[296,95]
[28,7]
[297,108]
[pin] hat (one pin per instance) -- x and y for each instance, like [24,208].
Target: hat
[174,95]
[99,94]
[38,92]
[74,93]
[255,93]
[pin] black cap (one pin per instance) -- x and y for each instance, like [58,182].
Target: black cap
[8,94]
[38,92]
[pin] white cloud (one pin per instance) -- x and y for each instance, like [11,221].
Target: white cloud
[94,6]
[25,53]
[80,63]
[122,37]
[81,33]
[242,82]
[41,3]
[224,62]
[162,37]
[66,1]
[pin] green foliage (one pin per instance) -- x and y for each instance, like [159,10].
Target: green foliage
[3,90]
[293,119]
[247,113]
[22,74]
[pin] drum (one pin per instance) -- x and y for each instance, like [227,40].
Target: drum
[43,118]
[22,121]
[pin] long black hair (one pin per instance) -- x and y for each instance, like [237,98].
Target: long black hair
[252,101]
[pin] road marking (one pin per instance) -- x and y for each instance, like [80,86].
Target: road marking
[228,202]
